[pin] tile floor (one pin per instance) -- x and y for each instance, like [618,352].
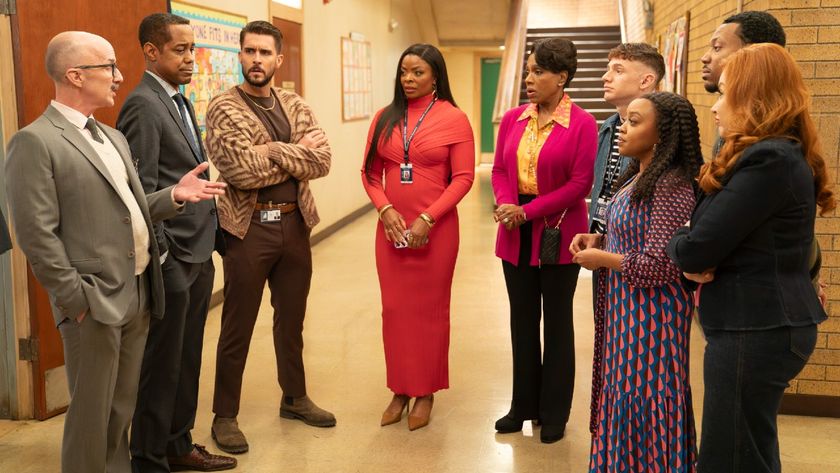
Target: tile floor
[346,374]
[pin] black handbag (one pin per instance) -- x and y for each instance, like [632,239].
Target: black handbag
[550,242]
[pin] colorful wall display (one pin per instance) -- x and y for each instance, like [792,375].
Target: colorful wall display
[216,54]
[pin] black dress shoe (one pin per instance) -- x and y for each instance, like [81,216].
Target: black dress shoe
[508,425]
[552,433]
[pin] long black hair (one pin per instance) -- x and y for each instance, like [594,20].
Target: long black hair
[678,150]
[393,114]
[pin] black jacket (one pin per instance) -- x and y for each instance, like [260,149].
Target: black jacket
[756,232]
[158,139]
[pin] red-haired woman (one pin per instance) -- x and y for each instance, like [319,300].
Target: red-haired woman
[748,246]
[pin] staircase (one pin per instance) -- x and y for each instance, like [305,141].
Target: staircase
[593,44]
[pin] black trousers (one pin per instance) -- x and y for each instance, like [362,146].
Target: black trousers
[745,375]
[543,383]
[168,392]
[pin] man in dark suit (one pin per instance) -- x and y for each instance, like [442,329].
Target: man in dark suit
[84,223]
[165,141]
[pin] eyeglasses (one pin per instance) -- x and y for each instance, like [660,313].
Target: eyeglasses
[112,65]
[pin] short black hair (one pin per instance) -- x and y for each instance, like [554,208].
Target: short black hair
[556,55]
[643,53]
[262,27]
[155,28]
[758,27]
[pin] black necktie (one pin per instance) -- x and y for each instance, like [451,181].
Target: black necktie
[94,132]
[183,110]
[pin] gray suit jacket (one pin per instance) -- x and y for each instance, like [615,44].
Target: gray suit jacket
[72,224]
[159,144]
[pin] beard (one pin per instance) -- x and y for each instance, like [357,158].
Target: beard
[711,87]
[258,83]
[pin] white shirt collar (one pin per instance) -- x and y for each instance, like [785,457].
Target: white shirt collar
[166,85]
[72,115]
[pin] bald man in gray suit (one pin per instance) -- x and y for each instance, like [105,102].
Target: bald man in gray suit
[85,225]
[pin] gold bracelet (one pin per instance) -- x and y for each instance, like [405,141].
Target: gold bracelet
[384,208]
[428,219]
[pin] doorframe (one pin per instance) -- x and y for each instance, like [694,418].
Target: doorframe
[13,266]
[287,13]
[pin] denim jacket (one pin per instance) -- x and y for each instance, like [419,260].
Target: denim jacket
[605,144]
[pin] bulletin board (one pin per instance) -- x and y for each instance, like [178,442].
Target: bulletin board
[674,47]
[217,66]
[356,80]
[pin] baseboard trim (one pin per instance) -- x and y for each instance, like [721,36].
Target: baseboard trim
[333,228]
[217,297]
[810,405]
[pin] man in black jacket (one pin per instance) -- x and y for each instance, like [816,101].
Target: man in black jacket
[159,123]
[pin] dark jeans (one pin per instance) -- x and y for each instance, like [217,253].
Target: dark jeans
[542,385]
[745,375]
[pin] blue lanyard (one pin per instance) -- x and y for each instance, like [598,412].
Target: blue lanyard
[407,139]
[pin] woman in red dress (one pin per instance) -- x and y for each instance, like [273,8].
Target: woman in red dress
[420,162]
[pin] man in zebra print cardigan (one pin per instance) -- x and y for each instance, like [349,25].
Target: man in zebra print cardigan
[267,146]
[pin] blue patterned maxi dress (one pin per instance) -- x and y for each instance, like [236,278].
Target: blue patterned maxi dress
[642,418]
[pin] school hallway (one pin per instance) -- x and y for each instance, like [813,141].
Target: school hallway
[346,375]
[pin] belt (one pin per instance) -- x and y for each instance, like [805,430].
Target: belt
[284,208]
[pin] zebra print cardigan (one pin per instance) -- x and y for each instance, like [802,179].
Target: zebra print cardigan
[241,149]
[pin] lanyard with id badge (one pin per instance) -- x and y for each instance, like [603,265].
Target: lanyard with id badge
[406,169]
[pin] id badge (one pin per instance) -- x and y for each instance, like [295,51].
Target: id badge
[270,216]
[601,209]
[406,174]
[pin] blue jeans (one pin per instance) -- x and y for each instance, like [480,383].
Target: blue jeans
[745,374]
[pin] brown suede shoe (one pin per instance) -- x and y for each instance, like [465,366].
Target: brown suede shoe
[199,459]
[304,409]
[393,413]
[421,412]
[228,437]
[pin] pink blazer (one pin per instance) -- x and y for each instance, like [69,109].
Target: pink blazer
[564,179]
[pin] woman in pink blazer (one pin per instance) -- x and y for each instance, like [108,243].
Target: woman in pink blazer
[542,172]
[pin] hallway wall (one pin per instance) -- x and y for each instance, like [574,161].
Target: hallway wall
[571,13]
[340,193]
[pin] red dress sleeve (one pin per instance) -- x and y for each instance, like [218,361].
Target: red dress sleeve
[462,159]
[372,179]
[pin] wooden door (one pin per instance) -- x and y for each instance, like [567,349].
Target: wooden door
[290,74]
[34,24]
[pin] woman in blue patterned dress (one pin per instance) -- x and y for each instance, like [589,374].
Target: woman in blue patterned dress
[642,419]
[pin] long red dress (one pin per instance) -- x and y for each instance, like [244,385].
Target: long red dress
[416,284]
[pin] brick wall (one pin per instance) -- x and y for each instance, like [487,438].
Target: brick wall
[813,37]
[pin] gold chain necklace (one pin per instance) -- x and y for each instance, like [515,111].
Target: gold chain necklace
[268,109]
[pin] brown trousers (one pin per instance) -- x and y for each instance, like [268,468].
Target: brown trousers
[280,253]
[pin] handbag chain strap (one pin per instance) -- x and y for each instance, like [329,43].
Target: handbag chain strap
[559,221]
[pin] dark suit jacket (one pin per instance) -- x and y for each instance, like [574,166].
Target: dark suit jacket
[5,239]
[757,233]
[72,224]
[159,144]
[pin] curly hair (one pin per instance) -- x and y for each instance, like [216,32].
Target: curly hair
[767,98]
[643,53]
[758,27]
[556,55]
[678,150]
